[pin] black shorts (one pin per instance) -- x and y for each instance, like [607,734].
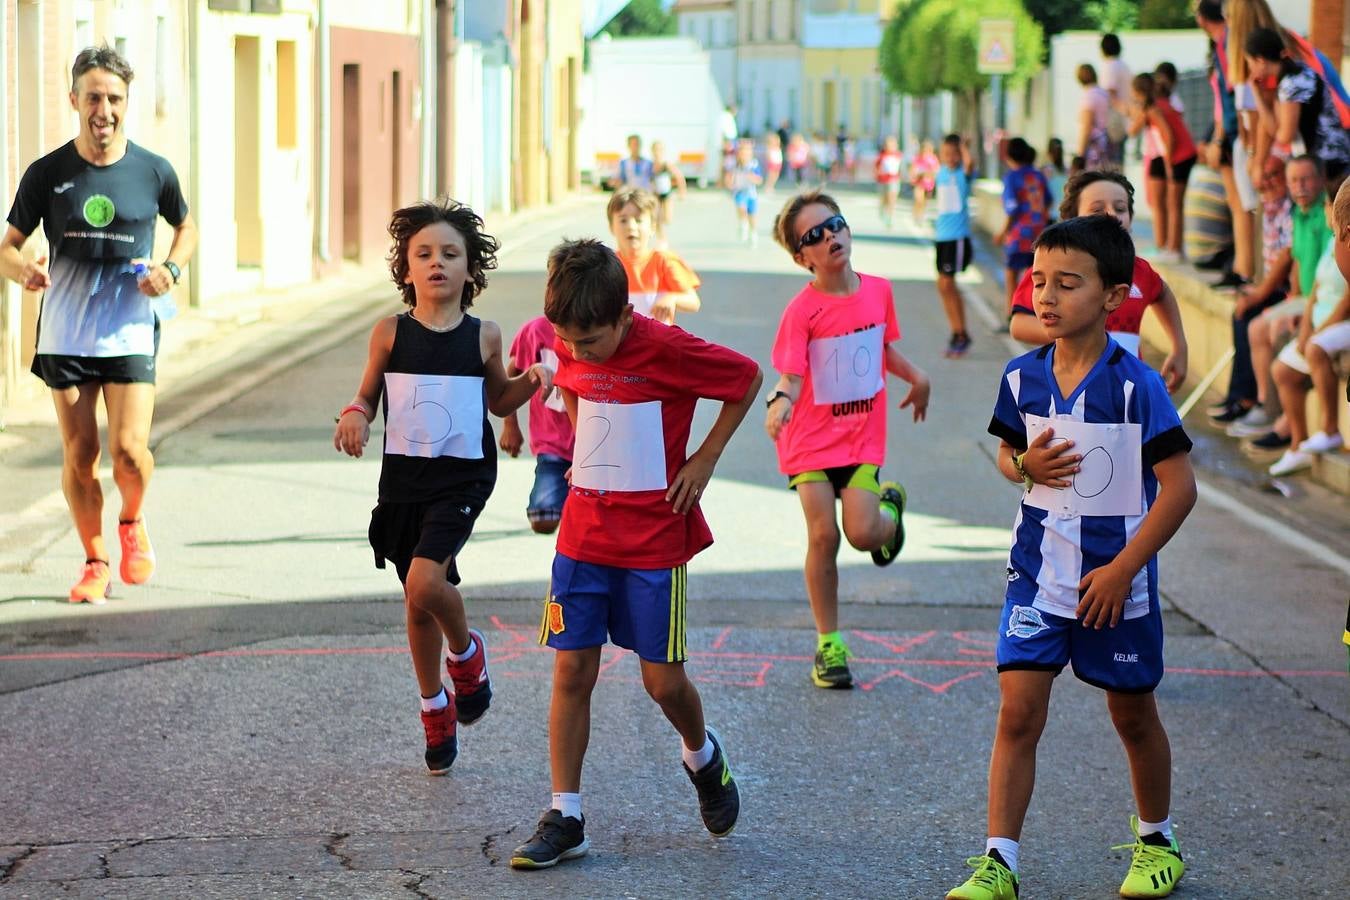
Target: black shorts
[59,372]
[1181,172]
[953,256]
[436,530]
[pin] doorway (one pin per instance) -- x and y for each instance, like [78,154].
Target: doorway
[351,162]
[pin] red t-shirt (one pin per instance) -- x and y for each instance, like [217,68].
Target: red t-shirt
[1145,290]
[658,371]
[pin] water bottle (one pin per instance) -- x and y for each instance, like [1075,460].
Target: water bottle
[164,305]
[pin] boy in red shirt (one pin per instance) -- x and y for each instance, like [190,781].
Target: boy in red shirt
[630,525]
[659,282]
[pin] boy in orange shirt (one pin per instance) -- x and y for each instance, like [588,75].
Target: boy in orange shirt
[659,282]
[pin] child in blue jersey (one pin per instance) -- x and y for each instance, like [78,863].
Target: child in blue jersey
[746,177]
[439,373]
[951,235]
[1089,430]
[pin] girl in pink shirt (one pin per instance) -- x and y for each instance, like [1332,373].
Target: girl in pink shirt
[827,413]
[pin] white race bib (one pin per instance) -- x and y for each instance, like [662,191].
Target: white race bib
[1110,477]
[434,415]
[554,400]
[620,447]
[890,165]
[642,302]
[848,367]
[948,196]
[1128,341]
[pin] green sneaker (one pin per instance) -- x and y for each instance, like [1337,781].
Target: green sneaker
[893,495]
[992,880]
[830,670]
[1156,866]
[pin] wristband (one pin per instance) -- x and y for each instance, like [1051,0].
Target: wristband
[353,407]
[1018,460]
[774,396]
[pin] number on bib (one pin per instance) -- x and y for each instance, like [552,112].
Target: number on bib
[434,415]
[1110,477]
[846,368]
[620,447]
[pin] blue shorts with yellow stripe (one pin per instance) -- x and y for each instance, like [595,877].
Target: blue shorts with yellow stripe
[638,609]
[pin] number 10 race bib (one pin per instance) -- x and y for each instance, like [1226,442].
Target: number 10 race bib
[846,368]
[434,415]
[620,447]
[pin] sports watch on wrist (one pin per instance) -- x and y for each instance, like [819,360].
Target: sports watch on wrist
[774,396]
[1018,466]
[174,271]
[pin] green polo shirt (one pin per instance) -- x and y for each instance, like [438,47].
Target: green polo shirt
[1311,233]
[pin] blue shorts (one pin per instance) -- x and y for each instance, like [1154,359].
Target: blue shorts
[550,488]
[638,609]
[747,200]
[1127,659]
[1018,261]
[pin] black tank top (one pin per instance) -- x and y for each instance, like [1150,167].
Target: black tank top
[432,423]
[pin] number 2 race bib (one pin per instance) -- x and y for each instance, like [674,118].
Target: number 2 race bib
[434,415]
[846,368]
[620,447]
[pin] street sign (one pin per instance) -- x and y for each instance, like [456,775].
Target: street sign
[996,47]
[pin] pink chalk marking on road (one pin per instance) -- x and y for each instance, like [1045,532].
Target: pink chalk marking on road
[897,645]
[514,631]
[939,688]
[720,641]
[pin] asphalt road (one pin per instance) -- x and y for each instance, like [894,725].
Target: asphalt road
[246,724]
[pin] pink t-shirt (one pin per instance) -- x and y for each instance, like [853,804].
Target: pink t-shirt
[837,345]
[550,429]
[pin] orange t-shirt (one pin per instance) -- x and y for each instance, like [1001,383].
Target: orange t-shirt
[660,272]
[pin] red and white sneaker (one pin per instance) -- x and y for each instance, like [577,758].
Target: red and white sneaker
[138,557]
[442,744]
[93,583]
[473,686]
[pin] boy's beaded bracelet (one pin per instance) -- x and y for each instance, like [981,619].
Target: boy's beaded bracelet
[352,407]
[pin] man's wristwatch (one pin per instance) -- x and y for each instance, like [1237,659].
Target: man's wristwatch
[774,396]
[174,271]
[1018,460]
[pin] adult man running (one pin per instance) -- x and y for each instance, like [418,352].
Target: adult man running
[98,197]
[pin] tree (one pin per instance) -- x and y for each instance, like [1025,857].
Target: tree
[1055,16]
[1166,14]
[931,46]
[641,18]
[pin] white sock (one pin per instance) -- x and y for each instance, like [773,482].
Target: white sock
[697,759]
[1164,828]
[568,805]
[1007,848]
[440,701]
[468,651]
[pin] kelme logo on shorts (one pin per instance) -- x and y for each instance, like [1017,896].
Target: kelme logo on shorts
[99,211]
[1025,622]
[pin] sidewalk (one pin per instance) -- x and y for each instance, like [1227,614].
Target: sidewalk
[208,356]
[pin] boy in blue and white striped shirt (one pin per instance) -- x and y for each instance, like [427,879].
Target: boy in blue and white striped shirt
[1089,430]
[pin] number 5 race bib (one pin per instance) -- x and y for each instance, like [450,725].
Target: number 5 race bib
[554,400]
[847,367]
[620,447]
[434,415]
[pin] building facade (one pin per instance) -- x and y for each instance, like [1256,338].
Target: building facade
[713,24]
[768,64]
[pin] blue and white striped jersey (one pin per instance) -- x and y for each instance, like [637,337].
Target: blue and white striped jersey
[1053,549]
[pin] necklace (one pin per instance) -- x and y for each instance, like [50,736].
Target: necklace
[439,329]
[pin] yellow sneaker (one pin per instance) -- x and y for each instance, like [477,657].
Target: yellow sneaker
[1156,866]
[992,880]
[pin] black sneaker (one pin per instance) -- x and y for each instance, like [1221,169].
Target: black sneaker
[442,745]
[958,345]
[894,495]
[1230,280]
[1226,413]
[719,801]
[1270,442]
[830,669]
[557,838]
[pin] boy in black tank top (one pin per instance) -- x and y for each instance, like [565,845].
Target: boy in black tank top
[438,372]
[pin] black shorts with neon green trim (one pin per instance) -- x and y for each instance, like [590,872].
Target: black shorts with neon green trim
[862,476]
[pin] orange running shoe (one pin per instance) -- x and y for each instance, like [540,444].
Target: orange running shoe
[138,557]
[93,585]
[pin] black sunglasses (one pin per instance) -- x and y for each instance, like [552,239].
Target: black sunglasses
[815,234]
